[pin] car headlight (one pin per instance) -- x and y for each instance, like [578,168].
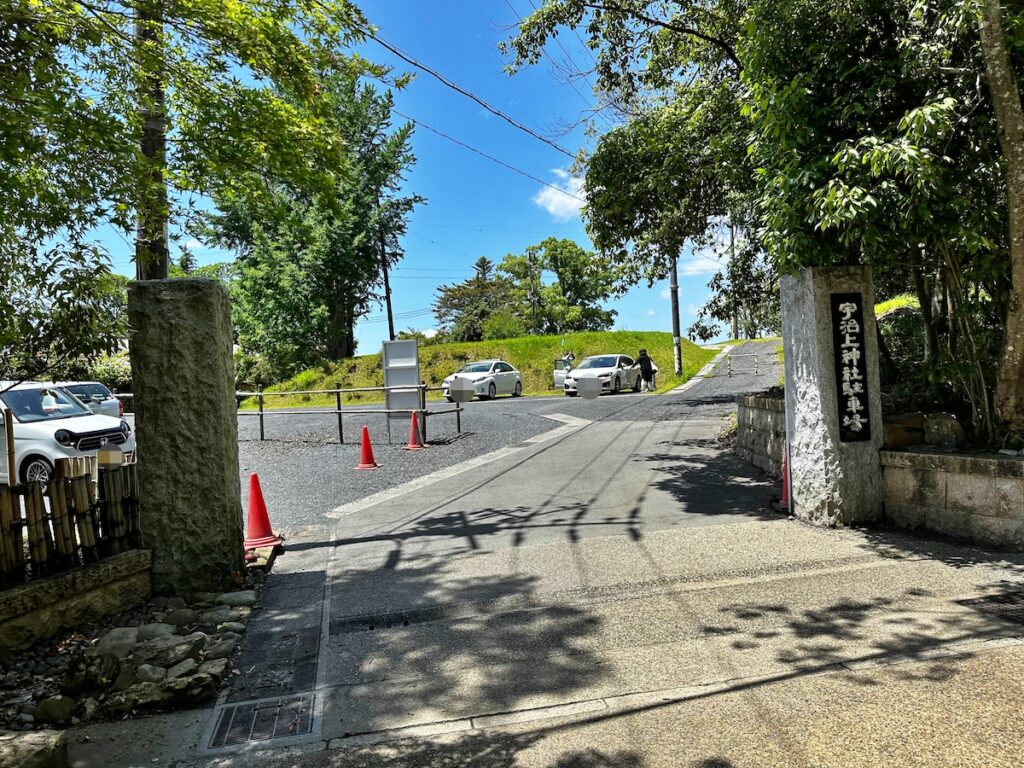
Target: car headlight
[125,428]
[63,437]
[604,376]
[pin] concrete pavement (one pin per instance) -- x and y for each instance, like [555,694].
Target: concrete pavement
[611,595]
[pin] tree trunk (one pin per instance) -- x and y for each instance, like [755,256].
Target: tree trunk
[152,257]
[1002,83]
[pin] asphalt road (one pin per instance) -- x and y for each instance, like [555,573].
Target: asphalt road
[305,473]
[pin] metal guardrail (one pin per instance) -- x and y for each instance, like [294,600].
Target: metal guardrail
[423,412]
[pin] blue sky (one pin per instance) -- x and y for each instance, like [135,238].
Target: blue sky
[476,207]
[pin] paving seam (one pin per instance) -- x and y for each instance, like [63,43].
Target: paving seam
[651,699]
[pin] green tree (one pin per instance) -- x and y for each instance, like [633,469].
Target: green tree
[309,267]
[572,302]
[462,309]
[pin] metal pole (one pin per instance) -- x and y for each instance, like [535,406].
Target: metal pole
[756,371]
[423,410]
[458,418]
[259,405]
[384,271]
[677,345]
[728,359]
[337,399]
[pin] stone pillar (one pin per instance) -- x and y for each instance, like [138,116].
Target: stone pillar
[183,378]
[834,431]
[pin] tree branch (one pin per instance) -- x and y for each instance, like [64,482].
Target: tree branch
[727,49]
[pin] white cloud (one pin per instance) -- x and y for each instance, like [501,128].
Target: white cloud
[565,200]
[430,333]
[665,294]
[651,313]
[700,264]
[193,244]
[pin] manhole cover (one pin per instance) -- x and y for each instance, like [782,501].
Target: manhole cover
[277,665]
[264,720]
[1008,606]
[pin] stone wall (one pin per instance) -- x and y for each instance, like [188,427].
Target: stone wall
[761,432]
[44,608]
[964,496]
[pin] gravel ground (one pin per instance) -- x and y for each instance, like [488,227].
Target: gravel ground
[304,472]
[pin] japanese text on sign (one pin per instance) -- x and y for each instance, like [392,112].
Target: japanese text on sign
[851,368]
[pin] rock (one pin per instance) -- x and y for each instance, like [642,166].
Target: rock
[154,630]
[91,674]
[26,719]
[220,615]
[231,636]
[168,651]
[209,598]
[87,709]
[117,642]
[183,669]
[232,626]
[181,617]
[175,602]
[41,749]
[943,430]
[124,679]
[55,709]
[147,673]
[244,598]
[179,692]
[215,668]
[221,649]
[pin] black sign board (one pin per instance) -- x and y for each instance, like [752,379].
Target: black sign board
[851,367]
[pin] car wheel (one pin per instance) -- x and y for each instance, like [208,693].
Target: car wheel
[518,391]
[570,394]
[36,469]
[616,386]
[492,391]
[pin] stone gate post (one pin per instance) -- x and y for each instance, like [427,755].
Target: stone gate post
[833,406]
[183,379]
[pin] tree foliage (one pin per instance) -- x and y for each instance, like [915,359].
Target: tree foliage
[311,265]
[858,132]
[242,82]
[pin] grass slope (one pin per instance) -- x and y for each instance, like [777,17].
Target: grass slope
[532,355]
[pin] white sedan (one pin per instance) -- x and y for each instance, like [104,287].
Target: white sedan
[489,378]
[615,372]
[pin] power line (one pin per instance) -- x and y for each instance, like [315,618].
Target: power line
[502,163]
[493,110]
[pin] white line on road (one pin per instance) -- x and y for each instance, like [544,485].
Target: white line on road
[572,423]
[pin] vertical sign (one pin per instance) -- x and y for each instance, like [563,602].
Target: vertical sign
[851,367]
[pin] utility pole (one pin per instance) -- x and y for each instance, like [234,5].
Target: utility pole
[732,260]
[677,344]
[152,256]
[384,270]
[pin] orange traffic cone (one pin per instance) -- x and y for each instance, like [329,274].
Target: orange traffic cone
[366,460]
[260,534]
[415,443]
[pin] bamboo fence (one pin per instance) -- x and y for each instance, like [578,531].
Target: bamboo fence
[86,513]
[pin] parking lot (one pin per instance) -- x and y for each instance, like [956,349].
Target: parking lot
[305,473]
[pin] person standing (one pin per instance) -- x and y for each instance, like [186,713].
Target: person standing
[647,370]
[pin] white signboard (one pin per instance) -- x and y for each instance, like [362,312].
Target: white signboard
[402,370]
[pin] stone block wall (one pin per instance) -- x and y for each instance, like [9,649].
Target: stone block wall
[761,432]
[44,608]
[964,496]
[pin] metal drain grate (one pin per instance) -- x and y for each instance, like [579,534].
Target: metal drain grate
[1008,606]
[264,720]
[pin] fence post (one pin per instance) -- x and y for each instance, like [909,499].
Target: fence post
[12,469]
[337,398]
[756,359]
[728,359]
[423,411]
[259,405]
[458,418]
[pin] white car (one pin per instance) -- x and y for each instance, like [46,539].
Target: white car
[615,372]
[49,423]
[489,378]
[94,396]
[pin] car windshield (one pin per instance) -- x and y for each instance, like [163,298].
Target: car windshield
[42,404]
[607,361]
[475,368]
[88,391]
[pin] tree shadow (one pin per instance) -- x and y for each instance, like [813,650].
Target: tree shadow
[426,644]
